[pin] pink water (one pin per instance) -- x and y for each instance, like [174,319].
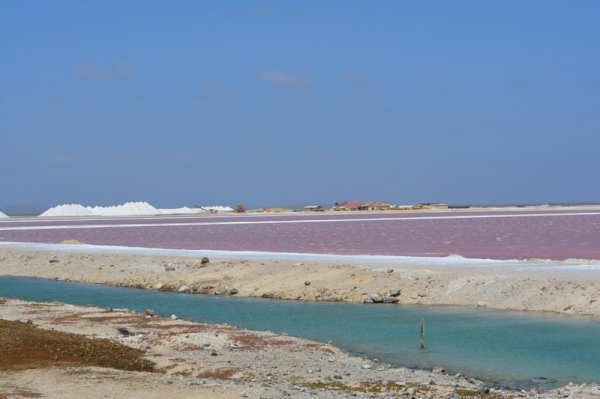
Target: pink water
[540,235]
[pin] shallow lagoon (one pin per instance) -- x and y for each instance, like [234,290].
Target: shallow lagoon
[515,349]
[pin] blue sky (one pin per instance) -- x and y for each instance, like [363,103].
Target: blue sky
[181,103]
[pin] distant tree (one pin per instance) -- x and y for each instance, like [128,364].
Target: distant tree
[240,208]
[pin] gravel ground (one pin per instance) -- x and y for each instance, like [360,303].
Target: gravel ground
[200,360]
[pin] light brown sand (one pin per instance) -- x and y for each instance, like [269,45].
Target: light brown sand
[569,287]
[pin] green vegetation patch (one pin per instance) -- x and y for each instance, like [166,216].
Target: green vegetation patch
[364,387]
[219,374]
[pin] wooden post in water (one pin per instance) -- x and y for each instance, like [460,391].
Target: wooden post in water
[422,333]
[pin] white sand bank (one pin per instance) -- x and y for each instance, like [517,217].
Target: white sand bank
[563,287]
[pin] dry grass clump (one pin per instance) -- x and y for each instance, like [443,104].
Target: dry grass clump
[319,347]
[72,242]
[254,342]
[20,394]
[219,374]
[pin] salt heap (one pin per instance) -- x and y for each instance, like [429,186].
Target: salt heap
[67,210]
[181,211]
[2,215]
[128,209]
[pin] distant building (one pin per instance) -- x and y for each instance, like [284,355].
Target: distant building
[403,207]
[314,208]
[363,206]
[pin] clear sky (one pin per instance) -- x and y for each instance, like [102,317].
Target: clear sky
[221,102]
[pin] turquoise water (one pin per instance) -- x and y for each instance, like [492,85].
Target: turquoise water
[514,349]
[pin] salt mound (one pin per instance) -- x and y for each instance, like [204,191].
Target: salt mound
[101,210]
[67,210]
[2,215]
[128,209]
[135,208]
[181,211]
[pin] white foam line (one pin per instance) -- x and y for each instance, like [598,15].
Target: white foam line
[570,268]
[92,226]
[259,255]
[361,260]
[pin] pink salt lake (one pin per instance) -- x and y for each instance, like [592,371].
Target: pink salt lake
[555,235]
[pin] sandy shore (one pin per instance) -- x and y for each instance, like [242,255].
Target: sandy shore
[192,360]
[262,364]
[201,360]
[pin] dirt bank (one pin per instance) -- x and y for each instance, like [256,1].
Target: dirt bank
[569,287]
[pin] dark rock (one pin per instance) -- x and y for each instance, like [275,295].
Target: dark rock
[543,380]
[123,331]
[395,292]
[149,312]
[475,382]
[204,261]
[307,283]
[337,376]
[222,290]
[367,300]
[376,298]
[233,291]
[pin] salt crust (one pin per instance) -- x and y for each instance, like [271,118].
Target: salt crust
[2,215]
[127,209]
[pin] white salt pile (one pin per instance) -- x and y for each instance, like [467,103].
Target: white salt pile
[67,210]
[2,215]
[181,211]
[128,209]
